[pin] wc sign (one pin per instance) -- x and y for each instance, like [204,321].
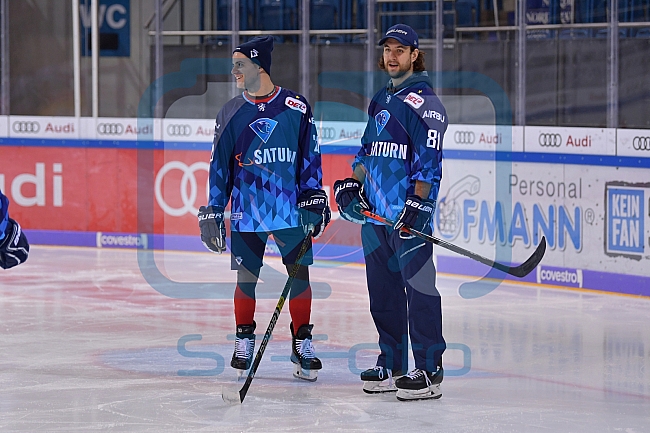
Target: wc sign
[114,21]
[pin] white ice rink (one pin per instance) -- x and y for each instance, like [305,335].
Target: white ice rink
[89,345]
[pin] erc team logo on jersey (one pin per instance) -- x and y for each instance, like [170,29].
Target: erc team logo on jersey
[263,128]
[414,100]
[296,104]
[381,119]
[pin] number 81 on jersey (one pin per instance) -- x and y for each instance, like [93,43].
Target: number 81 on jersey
[433,139]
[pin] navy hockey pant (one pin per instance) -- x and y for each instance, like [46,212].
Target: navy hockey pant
[404,300]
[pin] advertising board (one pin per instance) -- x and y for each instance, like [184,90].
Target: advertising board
[102,179]
[594,218]
[43,127]
[484,137]
[633,142]
[574,141]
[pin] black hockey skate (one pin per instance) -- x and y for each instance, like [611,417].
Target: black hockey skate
[419,385]
[306,365]
[242,358]
[380,379]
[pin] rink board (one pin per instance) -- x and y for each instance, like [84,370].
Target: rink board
[589,195]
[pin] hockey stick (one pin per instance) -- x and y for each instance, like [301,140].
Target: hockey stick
[517,271]
[237,397]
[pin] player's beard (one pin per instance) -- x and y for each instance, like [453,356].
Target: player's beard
[401,71]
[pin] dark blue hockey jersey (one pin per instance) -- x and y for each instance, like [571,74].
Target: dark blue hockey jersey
[263,156]
[402,143]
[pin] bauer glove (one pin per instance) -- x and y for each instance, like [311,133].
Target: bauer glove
[314,211]
[213,229]
[14,247]
[351,200]
[415,215]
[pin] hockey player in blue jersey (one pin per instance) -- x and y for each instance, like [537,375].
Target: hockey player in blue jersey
[14,247]
[397,174]
[266,162]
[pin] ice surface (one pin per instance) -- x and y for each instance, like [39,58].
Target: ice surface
[89,345]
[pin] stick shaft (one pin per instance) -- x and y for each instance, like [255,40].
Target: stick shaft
[276,314]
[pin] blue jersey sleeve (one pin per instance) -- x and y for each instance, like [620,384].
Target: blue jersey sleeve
[365,138]
[310,170]
[427,121]
[220,177]
[4,214]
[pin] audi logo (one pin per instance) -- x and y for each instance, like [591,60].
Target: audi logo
[110,128]
[188,195]
[464,137]
[29,127]
[641,143]
[327,133]
[550,140]
[175,130]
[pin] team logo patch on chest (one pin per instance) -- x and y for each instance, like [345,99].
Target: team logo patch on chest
[381,119]
[296,104]
[263,128]
[414,100]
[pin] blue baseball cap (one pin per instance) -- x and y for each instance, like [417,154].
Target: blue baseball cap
[402,33]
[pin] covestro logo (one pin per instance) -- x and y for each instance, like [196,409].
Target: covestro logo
[559,276]
[121,240]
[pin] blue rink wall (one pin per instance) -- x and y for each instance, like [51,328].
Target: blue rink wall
[586,190]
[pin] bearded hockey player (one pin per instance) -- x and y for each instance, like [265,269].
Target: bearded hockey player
[397,174]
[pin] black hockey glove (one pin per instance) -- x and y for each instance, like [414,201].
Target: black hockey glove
[314,211]
[14,248]
[213,229]
[416,215]
[351,200]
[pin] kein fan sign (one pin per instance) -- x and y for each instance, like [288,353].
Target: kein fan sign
[625,218]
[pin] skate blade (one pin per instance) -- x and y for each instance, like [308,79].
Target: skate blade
[423,394]
[240,374]
[231,395]
[301,373]
[373,387]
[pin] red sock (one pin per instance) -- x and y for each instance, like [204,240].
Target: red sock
[244,308]
[300,309]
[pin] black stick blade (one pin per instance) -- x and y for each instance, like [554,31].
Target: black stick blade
[532,262]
